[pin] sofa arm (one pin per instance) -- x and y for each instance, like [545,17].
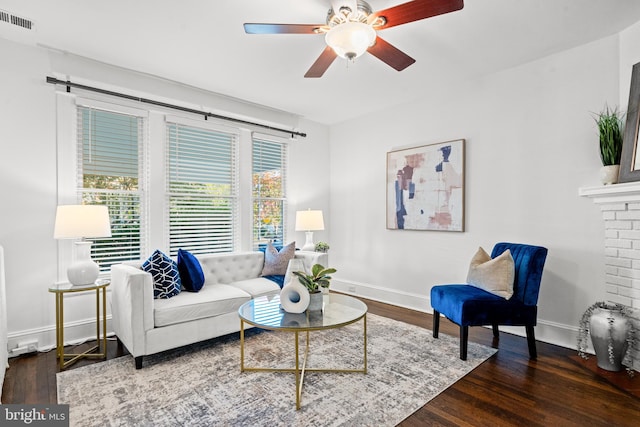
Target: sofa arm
[131,306]
[310,258]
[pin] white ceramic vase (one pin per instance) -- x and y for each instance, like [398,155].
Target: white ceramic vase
[294,297]
[609,174]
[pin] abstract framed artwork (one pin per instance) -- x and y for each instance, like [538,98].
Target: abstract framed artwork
[425,187]
[629,161]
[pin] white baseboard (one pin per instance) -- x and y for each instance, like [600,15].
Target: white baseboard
[546,331]
[74,333]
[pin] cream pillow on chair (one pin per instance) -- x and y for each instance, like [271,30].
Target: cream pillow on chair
[493,275]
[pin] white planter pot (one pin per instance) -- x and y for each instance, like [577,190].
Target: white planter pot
[609,174]
[316,301]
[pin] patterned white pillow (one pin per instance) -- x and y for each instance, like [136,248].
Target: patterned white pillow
[275,263]
[493,275]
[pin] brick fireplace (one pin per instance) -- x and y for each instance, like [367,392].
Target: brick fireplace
[620,206]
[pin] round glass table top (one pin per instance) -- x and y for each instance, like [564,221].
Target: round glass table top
[338,310]
[68,287]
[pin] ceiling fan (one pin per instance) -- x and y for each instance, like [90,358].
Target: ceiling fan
[352,26]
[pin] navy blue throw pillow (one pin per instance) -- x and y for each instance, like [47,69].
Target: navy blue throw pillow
[166,280]
[190,271]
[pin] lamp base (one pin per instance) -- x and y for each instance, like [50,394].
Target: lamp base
[309,245]
[84,271]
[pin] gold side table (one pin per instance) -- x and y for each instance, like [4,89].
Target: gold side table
[94,352]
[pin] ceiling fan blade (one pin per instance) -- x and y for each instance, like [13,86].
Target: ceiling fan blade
[390,55]
[325,59]
[414,11]
[284,28]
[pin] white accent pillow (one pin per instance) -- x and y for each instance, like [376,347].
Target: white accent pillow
[493,275]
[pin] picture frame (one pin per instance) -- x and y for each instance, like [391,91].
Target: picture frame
[425,187]
[629,161]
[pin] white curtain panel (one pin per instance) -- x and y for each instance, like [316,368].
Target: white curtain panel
[4,352]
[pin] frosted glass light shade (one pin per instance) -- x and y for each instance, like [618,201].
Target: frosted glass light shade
[350,39]
[76,221]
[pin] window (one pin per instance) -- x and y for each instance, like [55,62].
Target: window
[110,166]
[202,183]
[269,191]
[170,182]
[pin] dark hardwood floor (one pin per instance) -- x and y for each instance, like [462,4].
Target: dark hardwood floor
[508,389]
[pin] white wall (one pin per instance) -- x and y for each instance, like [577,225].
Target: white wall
[28,176]
[531,142]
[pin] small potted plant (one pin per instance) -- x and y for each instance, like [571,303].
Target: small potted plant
[610,133]
[319,278]
[612,334]
[322,247]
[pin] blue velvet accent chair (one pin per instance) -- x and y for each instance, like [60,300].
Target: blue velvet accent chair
[467,305]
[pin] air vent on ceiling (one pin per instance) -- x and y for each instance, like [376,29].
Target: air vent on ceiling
[16,20]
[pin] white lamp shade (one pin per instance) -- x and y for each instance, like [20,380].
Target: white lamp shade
[350,39]
[76,221]
[309,220]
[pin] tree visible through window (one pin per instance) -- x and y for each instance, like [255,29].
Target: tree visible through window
[269,191]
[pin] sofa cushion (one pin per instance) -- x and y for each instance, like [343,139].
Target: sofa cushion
[191,274]
[212,300]
[257,287]
[164,270]
[276,262]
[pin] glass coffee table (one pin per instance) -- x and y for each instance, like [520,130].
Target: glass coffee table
[338,311]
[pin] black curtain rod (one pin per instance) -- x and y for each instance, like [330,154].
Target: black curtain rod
[206,115]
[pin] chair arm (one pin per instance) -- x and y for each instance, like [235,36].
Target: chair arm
[131,306]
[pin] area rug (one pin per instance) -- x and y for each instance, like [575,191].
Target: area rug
[201,385]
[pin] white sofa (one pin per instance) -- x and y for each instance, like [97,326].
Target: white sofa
[146,325]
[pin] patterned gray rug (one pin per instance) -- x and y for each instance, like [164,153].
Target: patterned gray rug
[201,385]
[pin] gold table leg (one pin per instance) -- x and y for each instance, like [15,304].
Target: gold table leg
[95,351]
[241,345]
[104,323]
[60,329]
[297,370]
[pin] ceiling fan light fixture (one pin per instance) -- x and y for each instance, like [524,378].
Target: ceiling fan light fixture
[350,39]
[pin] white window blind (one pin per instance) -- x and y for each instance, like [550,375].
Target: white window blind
[110,171]
[269,191]
[202,183]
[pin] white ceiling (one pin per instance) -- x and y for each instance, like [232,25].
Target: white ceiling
[202,43]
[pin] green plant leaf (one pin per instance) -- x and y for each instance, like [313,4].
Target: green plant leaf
[610,129]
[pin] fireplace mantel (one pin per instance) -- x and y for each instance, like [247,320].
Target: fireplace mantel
[617,193]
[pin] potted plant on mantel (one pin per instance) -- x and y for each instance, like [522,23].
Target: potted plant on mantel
[314,282]
[610,133]
[612,335]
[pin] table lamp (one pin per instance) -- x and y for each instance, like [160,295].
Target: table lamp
[309,221]
[80,222]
